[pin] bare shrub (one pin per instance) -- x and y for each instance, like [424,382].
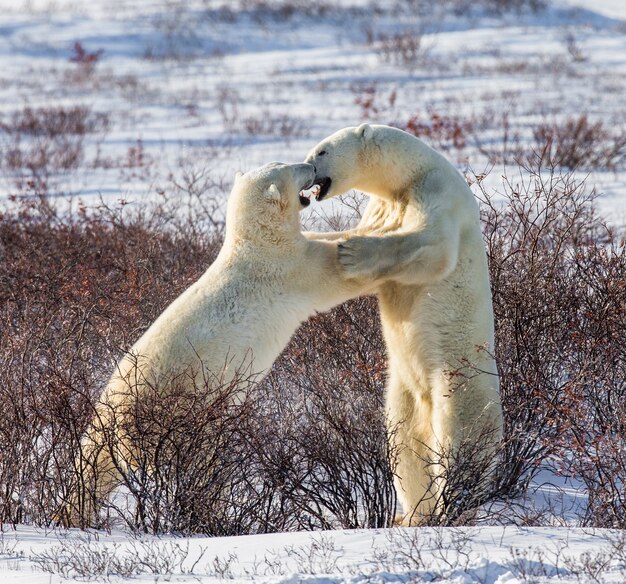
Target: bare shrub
[268,123]
[529,244]
[435,551]
[39,142]
[73,288]
[559,307]
[7,549]
[499,7]
[595,436]
[462,480]
[573,47]
[135,156]
[284,9]
[78,288]
[202,195]
[532,563]
[575,143]
[183,29]
[165,558]
[580,143]
[228,103]
[320,556]
[325,452]
[504,143]
[179,448]
[406,48]
[368,98]
[271,124]
[55,121]
[88,559]
[222,567]
[83,57]
[85,63]
[439,130]
[589,566]
[178,27]
[444,132]
[617,542]
[309,447]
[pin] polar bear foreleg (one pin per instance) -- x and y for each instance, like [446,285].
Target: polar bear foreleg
[416,258]
[328,235]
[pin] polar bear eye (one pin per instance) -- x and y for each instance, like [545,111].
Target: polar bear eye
[321,153]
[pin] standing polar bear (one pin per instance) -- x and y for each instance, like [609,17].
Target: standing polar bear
[237,317]
[420,241]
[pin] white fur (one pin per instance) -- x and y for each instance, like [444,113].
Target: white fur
[420,241]
[241,313]
[266,280]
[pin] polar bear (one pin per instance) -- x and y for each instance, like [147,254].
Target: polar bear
[240,314]
[420,241]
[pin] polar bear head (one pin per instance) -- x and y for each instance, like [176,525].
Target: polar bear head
[372,158]
[265,202]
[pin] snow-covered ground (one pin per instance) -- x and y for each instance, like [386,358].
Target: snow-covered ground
[489,555]
[190,85]
[175,89]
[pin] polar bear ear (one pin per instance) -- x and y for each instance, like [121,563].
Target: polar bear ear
[273,193]
[364,131]
[238,175]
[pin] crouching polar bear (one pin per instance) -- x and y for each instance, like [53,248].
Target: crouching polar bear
[420,241]
[239,315]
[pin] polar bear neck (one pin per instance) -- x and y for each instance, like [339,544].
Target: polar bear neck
[383,180]
[259,223]
[386,175]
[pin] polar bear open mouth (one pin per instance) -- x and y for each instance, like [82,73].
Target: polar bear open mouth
[324,186]
[306,193]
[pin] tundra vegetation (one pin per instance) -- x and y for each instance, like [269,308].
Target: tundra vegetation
[83,275]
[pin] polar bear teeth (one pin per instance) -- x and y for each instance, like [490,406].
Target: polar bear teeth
[323,185]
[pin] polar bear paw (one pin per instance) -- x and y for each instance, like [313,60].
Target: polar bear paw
[359,256]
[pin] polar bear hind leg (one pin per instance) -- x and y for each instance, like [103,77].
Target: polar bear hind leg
[409,416]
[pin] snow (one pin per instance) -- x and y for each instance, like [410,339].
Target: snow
[208,92]
[488,555]
[188,85]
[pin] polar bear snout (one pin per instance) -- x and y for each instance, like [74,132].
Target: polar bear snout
[306,174]
[320,164]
